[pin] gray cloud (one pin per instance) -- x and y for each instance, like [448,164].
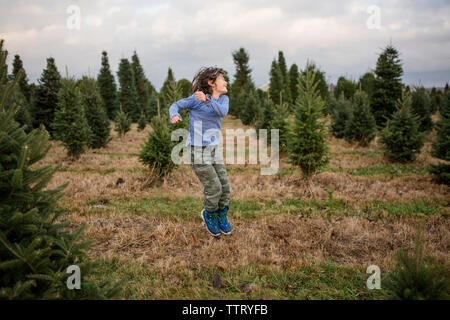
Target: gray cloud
[186,35]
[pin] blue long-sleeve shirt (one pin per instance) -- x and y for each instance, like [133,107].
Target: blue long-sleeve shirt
[205,118]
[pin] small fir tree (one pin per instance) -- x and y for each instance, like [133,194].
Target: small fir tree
[441,147]
[361,126]
[341,110]
[156,152]
[421,106]
[96,116]
[70,125]
[128,95]
[108,87]
[387,86]
[123,123]
[307,137]
[46,98]
[401,139]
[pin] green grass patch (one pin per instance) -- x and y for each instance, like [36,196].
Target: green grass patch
[189,208]
[327,281]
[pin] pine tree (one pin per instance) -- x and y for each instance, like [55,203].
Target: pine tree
[142,123]
[95,111]
[345,86]
[167,91]
[173,94]
[152,109]
[436,97]
[421,106]
[156,152]
[46,98]
[387,85]
[35,249]
[285,77]
[276,82]
[341,110]
[319,75]
[242,76]
[70,125]
[441,147]
[361,125]
[401,138]
[293,82]
[108,88]
[123,122]
[141,82]
[266,117]
[417,276]
[307,137]
[446,88]
[23,84]
[251,108]
[128,96]
[17,96]
[367,83]
[279,122]
[185,88]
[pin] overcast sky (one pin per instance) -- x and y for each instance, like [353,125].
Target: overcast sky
[339,36]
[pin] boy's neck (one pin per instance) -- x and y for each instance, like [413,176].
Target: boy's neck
[215,95]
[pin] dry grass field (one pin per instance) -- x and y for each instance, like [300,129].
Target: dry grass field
[286,244]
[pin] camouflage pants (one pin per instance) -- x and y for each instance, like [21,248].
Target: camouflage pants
[213,175]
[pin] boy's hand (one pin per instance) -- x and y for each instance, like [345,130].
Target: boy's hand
[200,96]
[175,119]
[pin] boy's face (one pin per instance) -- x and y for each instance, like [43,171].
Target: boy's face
[220,85]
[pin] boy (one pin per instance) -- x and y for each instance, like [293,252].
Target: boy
[207,106]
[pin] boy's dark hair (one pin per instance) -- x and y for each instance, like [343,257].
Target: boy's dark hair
[200,81]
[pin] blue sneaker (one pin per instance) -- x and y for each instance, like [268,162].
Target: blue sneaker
[210,219]
[224,225]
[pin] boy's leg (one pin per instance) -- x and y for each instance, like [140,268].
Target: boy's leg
[226,187]
[211,182]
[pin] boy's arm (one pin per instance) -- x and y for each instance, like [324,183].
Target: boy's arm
[220,108]
[185,103]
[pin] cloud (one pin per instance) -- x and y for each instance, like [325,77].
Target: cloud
[186,35]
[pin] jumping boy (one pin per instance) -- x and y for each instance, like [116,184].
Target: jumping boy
[207,106]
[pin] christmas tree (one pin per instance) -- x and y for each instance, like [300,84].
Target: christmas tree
[341,110]
[367,83]
[142,123]
[156,152]
[293,82]
[401,138]
[46,98]
[35,251]
[128,95]
[307,137]
[108,88]
[421,106]
[441,147]
[345,86]
[361,126]
[285,76]
[266,117]
[281,113]
[96,116]
[123,122]
[143,86]
[387,86]
[276,82]
[70,125]
[242,81]
[250,106]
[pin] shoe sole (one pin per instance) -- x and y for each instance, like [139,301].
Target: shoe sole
[226,233]
[203,218]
